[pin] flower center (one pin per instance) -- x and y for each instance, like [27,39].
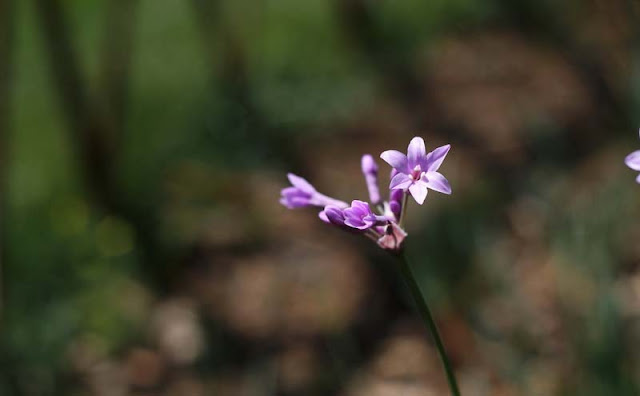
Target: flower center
[416,172]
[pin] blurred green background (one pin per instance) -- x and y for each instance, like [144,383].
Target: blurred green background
[144,144]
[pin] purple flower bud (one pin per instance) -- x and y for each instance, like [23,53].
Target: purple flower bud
[395,202]
[369,165]
[334,215]
[303,194]
[370,171]
[360,216]
[294,198]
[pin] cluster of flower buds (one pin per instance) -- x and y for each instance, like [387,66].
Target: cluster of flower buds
[412,175]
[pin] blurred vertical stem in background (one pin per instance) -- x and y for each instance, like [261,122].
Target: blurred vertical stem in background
[117,52]
[6,19]
[427,318]
[96,121]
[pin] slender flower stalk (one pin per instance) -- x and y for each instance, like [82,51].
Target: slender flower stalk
[403,210]
[413,175]
[427,318]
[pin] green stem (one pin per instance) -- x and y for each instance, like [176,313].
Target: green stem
[423,308]
[403,210]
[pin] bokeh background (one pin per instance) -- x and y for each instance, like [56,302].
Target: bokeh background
[144,144]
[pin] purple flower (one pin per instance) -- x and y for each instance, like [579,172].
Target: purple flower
[360,216]
[303,194]
[370,171]
[418,171]
[633,162]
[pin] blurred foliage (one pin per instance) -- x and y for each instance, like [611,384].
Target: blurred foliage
[145,143]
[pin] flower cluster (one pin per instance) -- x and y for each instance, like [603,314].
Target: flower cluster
[633,161]
[413,174]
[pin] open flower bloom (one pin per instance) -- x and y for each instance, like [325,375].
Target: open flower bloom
[418,171]
[381,221]
[360,216]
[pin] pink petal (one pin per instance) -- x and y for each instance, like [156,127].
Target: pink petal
[437,182]
[419,191]
[435,158]
[416,152]
[396,159]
